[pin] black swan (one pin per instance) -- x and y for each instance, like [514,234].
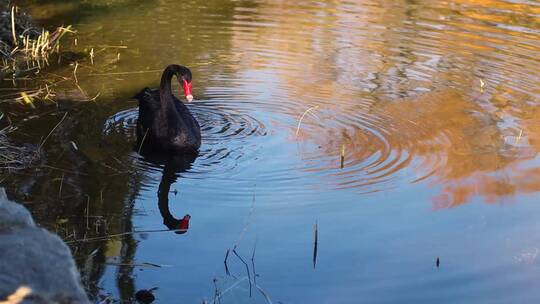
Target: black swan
[165,123]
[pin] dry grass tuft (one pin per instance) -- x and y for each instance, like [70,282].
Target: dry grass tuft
[27,50]
[14,157]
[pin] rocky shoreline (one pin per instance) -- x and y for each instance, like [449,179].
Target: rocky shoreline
[36,266]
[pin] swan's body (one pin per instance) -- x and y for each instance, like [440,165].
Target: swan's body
[165,123]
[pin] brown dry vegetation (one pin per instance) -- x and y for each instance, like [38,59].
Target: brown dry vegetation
[24,51]
[24,48]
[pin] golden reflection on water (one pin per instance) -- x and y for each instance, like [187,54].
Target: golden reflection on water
[398,83]
[403,81]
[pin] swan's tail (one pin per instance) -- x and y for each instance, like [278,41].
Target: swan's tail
[146,92]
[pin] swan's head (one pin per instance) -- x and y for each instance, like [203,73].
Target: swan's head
[185,81]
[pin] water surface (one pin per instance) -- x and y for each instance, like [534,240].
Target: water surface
[406,130]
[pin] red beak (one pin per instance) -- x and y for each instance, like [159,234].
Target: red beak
[187,89]
[184,223]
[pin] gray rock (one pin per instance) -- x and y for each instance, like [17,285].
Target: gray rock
[13,215]
[33,259]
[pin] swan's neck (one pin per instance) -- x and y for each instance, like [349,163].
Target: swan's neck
[165,93]
[164,188]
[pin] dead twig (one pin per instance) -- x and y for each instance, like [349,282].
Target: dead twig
[302,118]
[48,135]
[247,269]
[342,155]
[61,183]
[106,237]
[253,263]
[315,244]
[225,262]
[124,73]
[142,141]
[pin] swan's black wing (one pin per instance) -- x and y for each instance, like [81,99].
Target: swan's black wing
[161,131]
[191,123]
[150,114]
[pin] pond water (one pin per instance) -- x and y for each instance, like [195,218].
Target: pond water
[404,131]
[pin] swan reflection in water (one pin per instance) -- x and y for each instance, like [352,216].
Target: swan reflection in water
[172,165]
[165,125]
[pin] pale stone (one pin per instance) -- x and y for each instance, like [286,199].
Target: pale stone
[35,259]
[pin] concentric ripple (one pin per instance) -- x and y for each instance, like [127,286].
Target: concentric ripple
[365,149]
[225,136]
